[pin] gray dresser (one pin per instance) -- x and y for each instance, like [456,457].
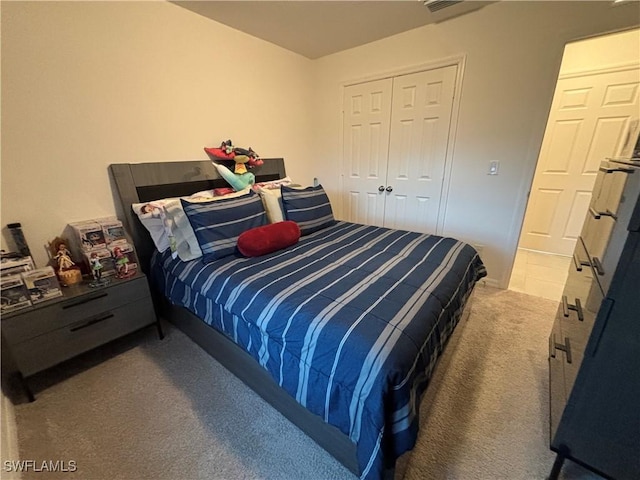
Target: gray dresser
[51,332]
[594,347]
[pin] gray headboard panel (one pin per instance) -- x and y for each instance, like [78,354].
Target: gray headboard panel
[143,182]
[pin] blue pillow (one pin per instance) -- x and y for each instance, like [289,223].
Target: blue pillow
[308,207]
[218,223]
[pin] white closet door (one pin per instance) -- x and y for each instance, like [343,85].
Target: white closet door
[367,113]
[590,119]
[421,116]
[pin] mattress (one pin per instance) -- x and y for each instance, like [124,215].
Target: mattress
[350,321]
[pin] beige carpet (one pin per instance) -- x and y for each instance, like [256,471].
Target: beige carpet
[148,409]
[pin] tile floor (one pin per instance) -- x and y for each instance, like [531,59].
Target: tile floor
[539,274]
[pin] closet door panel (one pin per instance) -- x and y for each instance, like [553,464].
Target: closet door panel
[400,212]
[366,122]
[420,120]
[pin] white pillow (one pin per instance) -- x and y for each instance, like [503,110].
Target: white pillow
[272,201]
[153,216]
[273,184]
[185,243]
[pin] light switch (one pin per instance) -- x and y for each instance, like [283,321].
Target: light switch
[494,167]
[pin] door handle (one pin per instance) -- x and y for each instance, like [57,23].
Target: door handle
[389,188]
[381,188]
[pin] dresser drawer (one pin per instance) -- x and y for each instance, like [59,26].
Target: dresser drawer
[557,395]
[67,311]
[571,369]
[581,299]
[596,233]
[73,339]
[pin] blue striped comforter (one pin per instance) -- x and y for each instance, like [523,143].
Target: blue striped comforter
[349,321]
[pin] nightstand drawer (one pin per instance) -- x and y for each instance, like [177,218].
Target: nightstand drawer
[73,339]
[59,314]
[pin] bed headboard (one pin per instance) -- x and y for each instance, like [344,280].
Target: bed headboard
[143,182]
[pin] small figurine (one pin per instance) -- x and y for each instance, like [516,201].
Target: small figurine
[63,257]
[122,264]
[66,269]
[96,271]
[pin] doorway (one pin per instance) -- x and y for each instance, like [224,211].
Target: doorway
[595,110]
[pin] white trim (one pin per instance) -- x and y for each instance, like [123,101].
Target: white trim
[341,214]
[451,144]
[459,62]
[545,253]
[421,67]
[623,67]
[490,282]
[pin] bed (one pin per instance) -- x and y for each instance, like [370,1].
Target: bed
[340,331]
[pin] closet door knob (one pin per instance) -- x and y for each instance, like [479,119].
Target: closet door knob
[389,188]
[381,188]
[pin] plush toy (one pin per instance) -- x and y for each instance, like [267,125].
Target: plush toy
[243,160]
[238,182]
[240,167]
[226,151]
[223,152]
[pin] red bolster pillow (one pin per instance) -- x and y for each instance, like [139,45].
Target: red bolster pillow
[268,238]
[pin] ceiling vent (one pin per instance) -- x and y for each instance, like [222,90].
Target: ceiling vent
[436,5]
[444,9]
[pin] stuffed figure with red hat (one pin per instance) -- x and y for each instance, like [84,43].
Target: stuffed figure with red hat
[243,160]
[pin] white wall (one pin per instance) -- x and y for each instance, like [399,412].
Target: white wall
[513,54]
[614,50]
[87,84]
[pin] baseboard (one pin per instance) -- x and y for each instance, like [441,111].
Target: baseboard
[489,282]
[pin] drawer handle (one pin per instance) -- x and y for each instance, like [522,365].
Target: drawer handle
[577,263]
[88,298]
[597,264]
[596,214]
[87,323]
[566,306]
[565,347]
[580,263]
[620,169]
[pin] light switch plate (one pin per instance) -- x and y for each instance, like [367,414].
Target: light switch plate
[494,166]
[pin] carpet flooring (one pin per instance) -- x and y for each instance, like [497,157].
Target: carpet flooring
[141,408]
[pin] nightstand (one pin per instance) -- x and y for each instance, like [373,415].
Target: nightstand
[84,318]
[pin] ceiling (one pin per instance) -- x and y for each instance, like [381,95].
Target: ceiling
[318,28]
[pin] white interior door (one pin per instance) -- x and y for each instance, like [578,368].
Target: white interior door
[420,120]
[591,117]
[366,117]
